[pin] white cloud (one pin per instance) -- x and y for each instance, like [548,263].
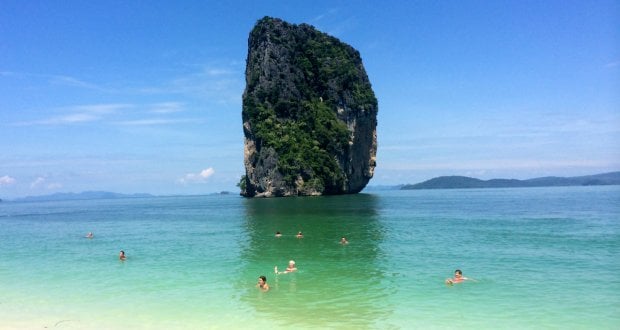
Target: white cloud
[73,82]
[155,121]
[6,180]
[37,182]
[197,177]
[42,182]
[612,64]
[497,164]
[220,85]
[80,114]
[53,186]
[51,79]
[218,72]
[166,107]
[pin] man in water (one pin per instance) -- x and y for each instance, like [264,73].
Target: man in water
[121,256]
[458,278]
[262,283]
[90,235]
[278,234]
[300,235]
[343,240]
[291,268]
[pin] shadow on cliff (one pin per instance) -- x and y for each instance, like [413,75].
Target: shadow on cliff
[336,285]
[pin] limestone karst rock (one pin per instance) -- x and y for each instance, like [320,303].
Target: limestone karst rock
[309,114]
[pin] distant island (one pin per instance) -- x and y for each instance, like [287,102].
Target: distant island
[464,182]
[80,196]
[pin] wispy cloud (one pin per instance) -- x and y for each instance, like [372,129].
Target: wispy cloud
[37,182]
[220,85]
[200,177]
[497,164]
[155,121]
[7,180]
[42,182]
[74,82]
[112,112]
[52,79]
[78,114]
[612,64]
[166,107]
[54,186]
[329,13]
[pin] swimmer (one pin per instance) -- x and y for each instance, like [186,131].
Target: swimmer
[121,256]
[300,235]
[291,268]
[458,278]
[278,234]
[262,283]
[89,235]
[343,240]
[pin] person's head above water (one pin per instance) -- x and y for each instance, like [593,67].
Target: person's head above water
[458,272]
[263,278]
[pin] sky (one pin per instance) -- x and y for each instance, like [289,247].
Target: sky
[145,96]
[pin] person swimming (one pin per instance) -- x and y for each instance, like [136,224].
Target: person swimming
[121,256]
[299,235]
[291,268]
[262,283]
[458,278]
[278,234]
[89,235]
[343,240]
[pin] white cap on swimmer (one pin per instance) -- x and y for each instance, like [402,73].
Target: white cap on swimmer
[292,262]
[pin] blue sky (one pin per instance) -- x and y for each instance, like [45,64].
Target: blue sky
[145,96]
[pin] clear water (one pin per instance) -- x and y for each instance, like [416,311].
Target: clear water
[542,258]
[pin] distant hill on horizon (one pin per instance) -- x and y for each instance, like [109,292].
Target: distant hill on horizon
[464,182]
[79,196]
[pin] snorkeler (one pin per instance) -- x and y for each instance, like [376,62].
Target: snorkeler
[291,268]
[262,283]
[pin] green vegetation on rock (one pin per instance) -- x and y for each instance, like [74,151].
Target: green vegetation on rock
[303,89]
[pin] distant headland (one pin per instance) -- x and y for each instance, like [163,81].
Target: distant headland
[464,182]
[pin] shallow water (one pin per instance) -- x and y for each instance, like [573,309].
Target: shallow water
[541,257]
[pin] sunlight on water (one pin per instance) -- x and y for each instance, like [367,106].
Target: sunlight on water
[541,257]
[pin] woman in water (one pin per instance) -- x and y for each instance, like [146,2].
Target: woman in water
[262,283]
[121,256]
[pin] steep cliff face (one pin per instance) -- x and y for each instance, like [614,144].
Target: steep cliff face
[309,114]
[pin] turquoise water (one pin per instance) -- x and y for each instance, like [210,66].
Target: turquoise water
[542,258]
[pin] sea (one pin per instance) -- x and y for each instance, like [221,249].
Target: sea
[536,258]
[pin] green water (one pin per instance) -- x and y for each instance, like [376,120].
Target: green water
[541,257]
